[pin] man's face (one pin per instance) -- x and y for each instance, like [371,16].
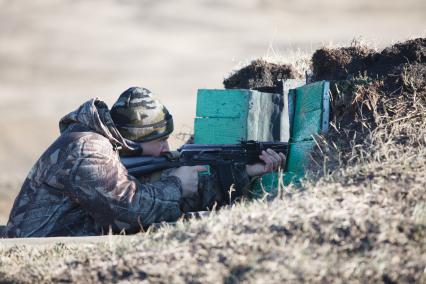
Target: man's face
[155,147]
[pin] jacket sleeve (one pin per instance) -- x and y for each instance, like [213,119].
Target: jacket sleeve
[99,182]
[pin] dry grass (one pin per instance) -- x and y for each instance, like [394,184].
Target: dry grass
[360,218]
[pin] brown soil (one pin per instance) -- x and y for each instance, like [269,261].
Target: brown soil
[260,75]
[338,64]
[369,92]
[368,86]
[348,62]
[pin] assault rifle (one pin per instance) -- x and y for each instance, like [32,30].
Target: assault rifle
[221,157]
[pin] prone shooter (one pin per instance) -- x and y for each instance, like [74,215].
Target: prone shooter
[80,186]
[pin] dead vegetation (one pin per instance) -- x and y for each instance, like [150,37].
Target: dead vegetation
[360,218]
[260,74]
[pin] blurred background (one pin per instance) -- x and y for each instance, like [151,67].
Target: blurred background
[55,55]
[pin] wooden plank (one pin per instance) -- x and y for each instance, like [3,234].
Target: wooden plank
[310,117]
[291,107]
[214,130]
[298,157]
[222,103]
[306,125]
[288,109]
[309,97]
[259,112]
[325,107]
[264,116]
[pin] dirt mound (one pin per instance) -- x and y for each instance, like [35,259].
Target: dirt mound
[378,84]
[260,75]
[338,64]
[348,62]
[373,95]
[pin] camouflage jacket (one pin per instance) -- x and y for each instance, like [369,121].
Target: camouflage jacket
[79,186]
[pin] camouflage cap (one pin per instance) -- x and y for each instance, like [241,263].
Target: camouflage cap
[140,117]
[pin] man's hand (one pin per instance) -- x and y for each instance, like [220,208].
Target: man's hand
[189,178]
[272,161]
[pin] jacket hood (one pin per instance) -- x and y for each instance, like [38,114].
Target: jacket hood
[94,114]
